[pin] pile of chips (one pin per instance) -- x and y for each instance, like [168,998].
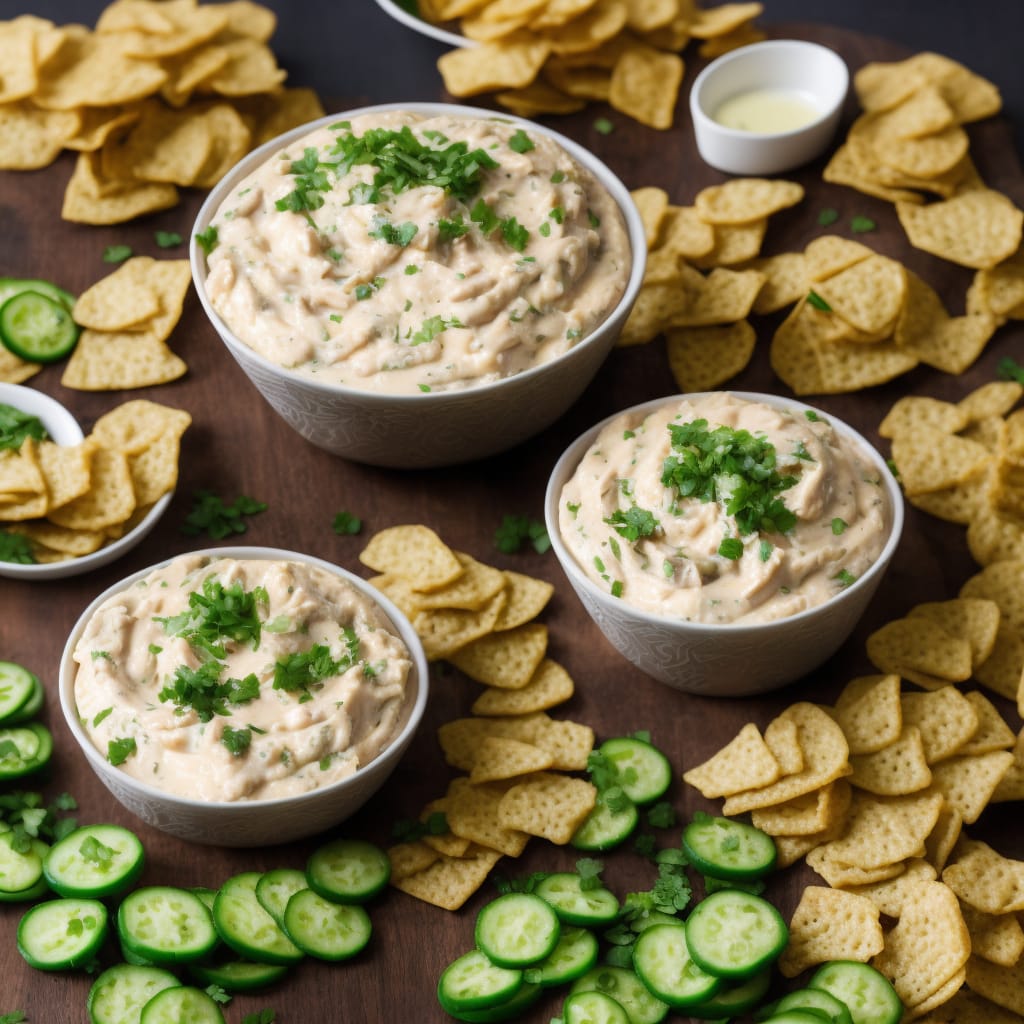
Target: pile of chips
[704,316]
[552,56]
[480,619]
[874,792]
[159,95]
[71,500]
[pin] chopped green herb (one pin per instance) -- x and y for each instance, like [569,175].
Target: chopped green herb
[216,614]
[346,523]
[449,229]
[14,1017]
[521,142]
[101,715]
[116,253]
[765,550]
[407,830]
[839,526]
[95,852]
[201,690]
[844,577]
[557,214]
[237,741]
[616,588]
[119,750]
[860,225]
[515,531]
[217,994]
[167,239]
[811,415]
[424,387]
[557,177]
[633,523]
[818,302]
[155,648]
[515,235]
[661,815]
[97,655]
[16,548]
[16,426]
[207,239]
[1009,369]
[603,126]
[264,1016]
[731,548]
[431,328]
[482,215]
[301,671]
[211,516]
[400,235]
[544,230]
[828,216]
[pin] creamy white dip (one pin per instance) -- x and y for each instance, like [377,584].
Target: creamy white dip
[408,287]
[300,722]
[689,558]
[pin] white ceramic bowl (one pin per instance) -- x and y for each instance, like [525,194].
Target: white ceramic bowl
[423,26]
[816,74]
[64,429]
[723,660]
[251,822]
[441,428]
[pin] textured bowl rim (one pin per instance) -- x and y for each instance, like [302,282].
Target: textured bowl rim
[570,458]
[721,65]
[66,684]
[605,176]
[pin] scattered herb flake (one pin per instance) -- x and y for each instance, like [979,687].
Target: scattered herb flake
[828,216]
[207,239]
[521,142]
[119,750]
[603,126]
[116,253]
[818,302]
[346,523]
[167,239]
[212,516]
[860,225]
[16,426]
[16,548]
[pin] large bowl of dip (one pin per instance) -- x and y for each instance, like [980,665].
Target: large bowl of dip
[243,696]
[419,284]
[725,543]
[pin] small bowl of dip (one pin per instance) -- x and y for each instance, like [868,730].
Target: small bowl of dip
[243,696]
[725,543]
[768,107]
[419,284]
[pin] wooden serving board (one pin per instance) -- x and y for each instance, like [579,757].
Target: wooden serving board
[237,445]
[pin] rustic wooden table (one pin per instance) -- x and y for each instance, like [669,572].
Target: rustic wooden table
[238,445]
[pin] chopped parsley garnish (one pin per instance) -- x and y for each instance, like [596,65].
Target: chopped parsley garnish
[603,126]
[860,225]
[410,269]
[482,215]
[402,161]
[116,253]
[167,239]
[521,142]
[765,549]
[514,233]
[812,416]
[207,239]
[425,388]
[346,523]
[844,577]
[95,852]
[16,426]
[828,216]
[731,548]
[25,818]
[616,588]
[818,302]
[211,516]
[201,690]
[236,740]
[431,328]
[633,523]
[400,234]
[1009,369]
[16,548]
[310,182]
[97,655]
[557,177]
[14,1017]
[801,452]
[217,614]
[217,994]
[101,715]
[839,526]
[301,671]
[515,531]
[408,830]
[557,214]
[661,815]
[732,467]
[449,229]
[544,230]
[119,750]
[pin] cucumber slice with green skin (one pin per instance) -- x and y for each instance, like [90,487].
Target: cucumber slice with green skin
[17,686]
[517,929]
[20,871]
[130,957]
[33,894]
[652,917]
[36,327]
[604,828]
[324,929]
[24,749]
[728,849]
[246,927]
[511,1009]
[644,772]
[573,955]
[867,993]
[118,995]
[796,1017]
[664,965]
[97,861]
[816,999]
[472,982]
[181,1004]
[640,1004]
[736,999]
[593,1008]
[165,925]
[238,975]
[348,871]
[733,934]
[206,895]
[275,888]
[11,286]
[63,933]
[573,905]
[30,708]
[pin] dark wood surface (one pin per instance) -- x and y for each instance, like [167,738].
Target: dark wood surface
[238,445]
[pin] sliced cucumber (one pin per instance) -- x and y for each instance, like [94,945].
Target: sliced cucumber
[593,1007]
[246,927]
[180,1004]
[816,999]
[118,995]
[62,934]
[17,686]
[575,905]
[867,993]
[348,871]
[36,327]
[517,929]
[97,861]
[165,925]
[20,871]
[511,1009]
[733,934]
[11,286]
[735,999]
[728,849]
[640,1004]
[472,982]
[30,708]
[644,773]
[664,964]
[324,929]
[24,749]
[574,955]
[238,975]
[604,828]
[276,887]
